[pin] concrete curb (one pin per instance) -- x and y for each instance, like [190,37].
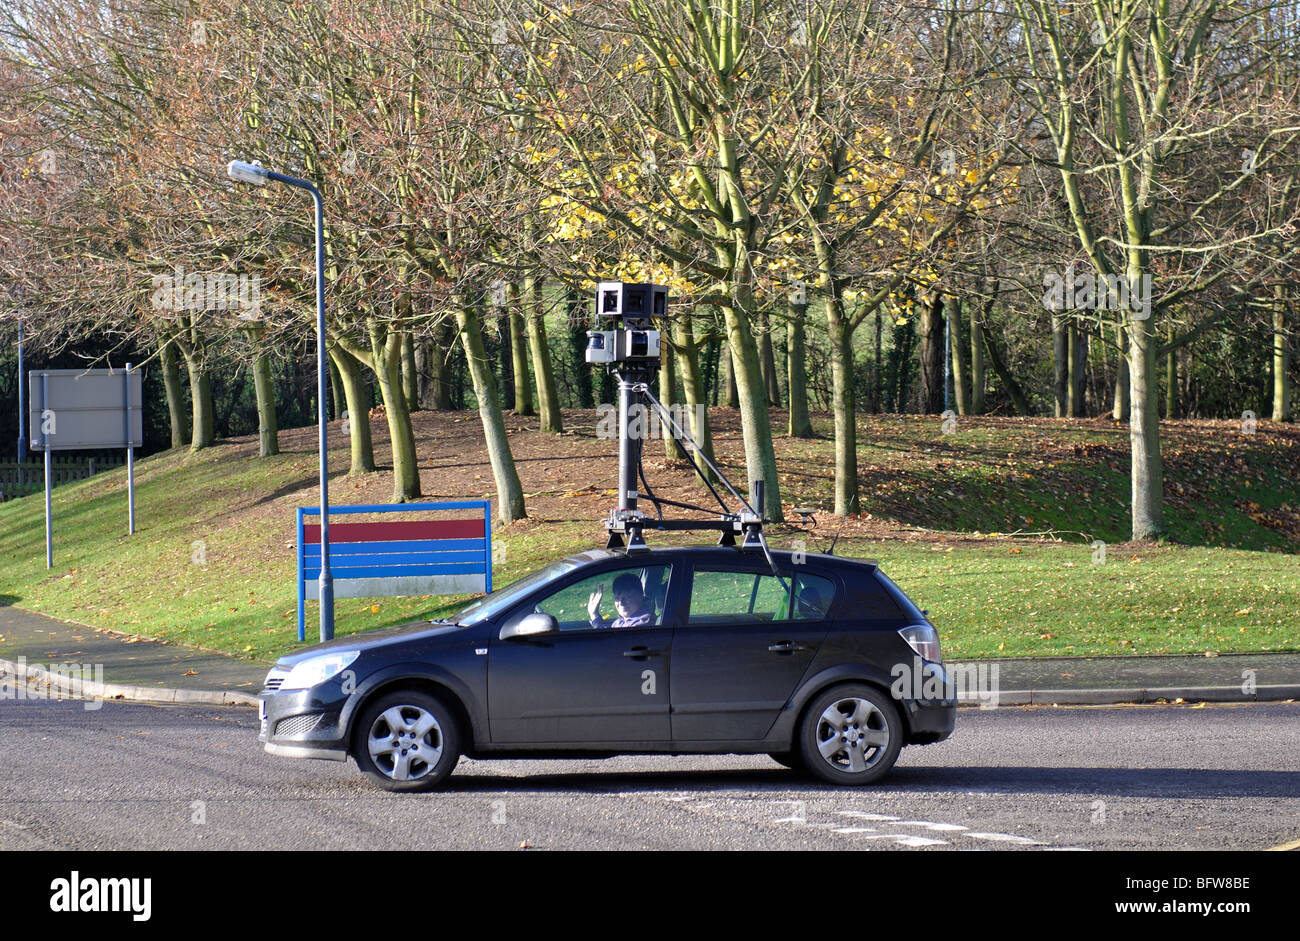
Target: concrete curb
[60,686]
[1109,697]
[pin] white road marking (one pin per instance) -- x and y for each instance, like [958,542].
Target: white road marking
[921,841]
[861,816]
[931,826]
[1005,838]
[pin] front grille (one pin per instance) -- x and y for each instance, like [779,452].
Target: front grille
[274,682]
[296,725]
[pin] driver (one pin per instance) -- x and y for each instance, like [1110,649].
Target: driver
[629,601]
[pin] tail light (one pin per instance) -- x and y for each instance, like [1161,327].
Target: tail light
[924,640]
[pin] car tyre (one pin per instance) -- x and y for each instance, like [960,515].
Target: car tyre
[851,734]
[406,741]
[791,759]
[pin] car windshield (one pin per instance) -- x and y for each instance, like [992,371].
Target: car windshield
[493,604]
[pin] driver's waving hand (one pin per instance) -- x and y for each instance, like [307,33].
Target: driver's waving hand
[629,601]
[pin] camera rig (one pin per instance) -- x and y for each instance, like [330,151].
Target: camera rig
[629,347]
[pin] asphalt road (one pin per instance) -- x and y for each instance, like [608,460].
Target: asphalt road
[129,776]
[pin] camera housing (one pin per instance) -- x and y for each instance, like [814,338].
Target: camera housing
[628,309]
[631,302]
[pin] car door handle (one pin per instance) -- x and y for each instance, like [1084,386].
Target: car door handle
[640,653]
[786,646]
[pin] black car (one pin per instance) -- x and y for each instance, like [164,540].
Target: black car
[666,650]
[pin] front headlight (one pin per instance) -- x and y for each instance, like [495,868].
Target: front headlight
[318,669]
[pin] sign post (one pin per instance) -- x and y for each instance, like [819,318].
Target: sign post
[77,409]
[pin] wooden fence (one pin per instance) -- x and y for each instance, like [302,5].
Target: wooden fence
[20,480]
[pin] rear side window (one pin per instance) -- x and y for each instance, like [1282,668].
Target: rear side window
[731,597]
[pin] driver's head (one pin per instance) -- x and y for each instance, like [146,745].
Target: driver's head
[628,594]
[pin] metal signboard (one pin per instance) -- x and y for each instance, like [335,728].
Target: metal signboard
[72,409]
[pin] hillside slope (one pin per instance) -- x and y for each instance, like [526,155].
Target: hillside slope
[213,561]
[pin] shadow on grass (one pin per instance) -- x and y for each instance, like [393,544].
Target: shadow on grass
[7,600]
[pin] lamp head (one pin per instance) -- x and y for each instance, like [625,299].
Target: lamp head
[253,173]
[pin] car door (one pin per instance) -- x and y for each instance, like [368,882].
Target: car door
[748,638]
[584,684]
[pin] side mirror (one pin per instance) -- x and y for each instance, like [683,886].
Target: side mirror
[530,625]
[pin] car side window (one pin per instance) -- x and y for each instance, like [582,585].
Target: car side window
[625,597]
[732,597]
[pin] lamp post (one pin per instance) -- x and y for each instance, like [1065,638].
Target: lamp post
[258,175]
[22,407]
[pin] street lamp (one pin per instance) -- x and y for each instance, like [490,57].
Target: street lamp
[258,175]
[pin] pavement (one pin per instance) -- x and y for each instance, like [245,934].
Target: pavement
[38,655]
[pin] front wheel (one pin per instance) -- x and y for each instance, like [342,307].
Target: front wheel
[851,735]
[406,741]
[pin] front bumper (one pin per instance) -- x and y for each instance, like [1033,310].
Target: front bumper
[302,723]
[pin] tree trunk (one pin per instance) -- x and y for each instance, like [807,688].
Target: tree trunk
[727,364]
[1171,375]
[582,372]
[878,380]
[547,394]
[845,412]
[688,361]
[518,354]
[510,493]
[1281,358]
[767,358]
[386,361]
[410,374]
[1120,407]
[673,450]
[356,417]
[175,397]
[1144,430]
[1061,364]
[755,421]
[977,379]
[1017,394]
[336,391]
[957,352]
[796,366]
[1077,351]
[438,370]
[202,419]
[932,353]
[268,440]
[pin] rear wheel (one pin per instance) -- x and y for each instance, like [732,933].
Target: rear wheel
[851,734]
[406,741]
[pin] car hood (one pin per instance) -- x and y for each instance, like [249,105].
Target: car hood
[383,637]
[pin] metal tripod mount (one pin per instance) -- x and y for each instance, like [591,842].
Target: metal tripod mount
[633,353]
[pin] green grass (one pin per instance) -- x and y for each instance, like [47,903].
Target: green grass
[213,564]
[1054,600]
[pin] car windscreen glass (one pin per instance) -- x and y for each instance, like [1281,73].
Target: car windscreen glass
[498,601]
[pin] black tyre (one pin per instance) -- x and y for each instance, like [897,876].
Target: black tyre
[406,741]
[790,759]
[851,734]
